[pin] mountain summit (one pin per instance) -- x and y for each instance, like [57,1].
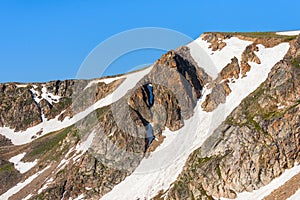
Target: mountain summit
[218,118]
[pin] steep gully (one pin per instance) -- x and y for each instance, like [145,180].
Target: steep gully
[149,129]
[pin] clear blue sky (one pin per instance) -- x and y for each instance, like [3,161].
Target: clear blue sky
[44,40]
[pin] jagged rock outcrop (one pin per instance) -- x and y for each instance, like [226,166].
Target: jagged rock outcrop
[268,39]
[217,96]
[216,40]
[232,70]
[174,98]
[249,56]
[177,96]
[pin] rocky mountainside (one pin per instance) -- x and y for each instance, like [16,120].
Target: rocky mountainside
[217,118]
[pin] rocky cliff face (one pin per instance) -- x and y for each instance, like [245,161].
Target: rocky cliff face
[13,104]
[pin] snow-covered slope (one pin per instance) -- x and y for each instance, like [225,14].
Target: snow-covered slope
[22,167]
[157,172]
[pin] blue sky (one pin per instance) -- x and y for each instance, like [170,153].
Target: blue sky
[44,40]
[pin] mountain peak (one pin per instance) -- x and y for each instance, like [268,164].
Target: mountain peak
[217,118]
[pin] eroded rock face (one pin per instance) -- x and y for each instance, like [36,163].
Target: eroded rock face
[19,110]
[165,112]
[220,87]
[256,143]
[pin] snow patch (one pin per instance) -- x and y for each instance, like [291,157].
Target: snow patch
[289,33]
[162,167]
[22,167]
[37,99]
[80,149]
[28,197]
[51,98]
[21,85]
[21,185]
[80,197]
[279,106]
[45,186]
[106,81]
[65,160]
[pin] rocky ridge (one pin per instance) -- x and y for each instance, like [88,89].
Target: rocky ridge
[24,106]
[117,149]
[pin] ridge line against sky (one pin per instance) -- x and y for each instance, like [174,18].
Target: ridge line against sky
[48,40]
